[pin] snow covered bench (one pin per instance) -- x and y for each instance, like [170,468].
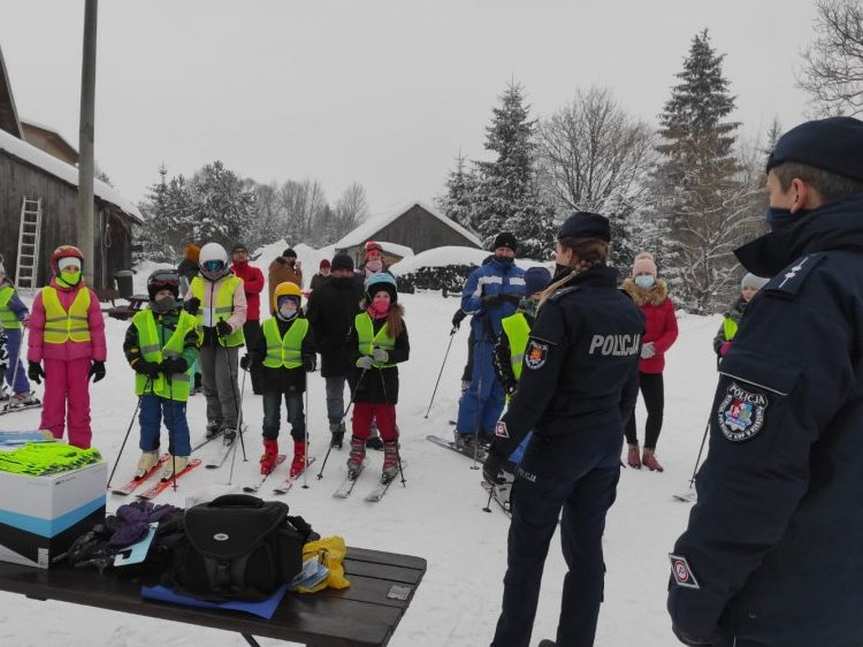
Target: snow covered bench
[364,615]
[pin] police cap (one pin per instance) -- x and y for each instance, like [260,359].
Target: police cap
[583,224]
[834,144]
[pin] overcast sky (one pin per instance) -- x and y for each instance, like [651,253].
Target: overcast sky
[380,92]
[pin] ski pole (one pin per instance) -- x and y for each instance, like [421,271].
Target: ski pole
[487,507]
[306,453]
[238,404]
[171,446]
[700,450]
[446,354]
[128,431]
[353,397]
[240,431]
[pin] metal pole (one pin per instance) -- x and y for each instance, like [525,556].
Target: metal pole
[446,354]
[86,164]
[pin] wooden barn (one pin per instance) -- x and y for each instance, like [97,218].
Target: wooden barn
[405,232]
[37,180]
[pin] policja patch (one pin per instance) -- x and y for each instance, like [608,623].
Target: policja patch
[742,413]
[535,355]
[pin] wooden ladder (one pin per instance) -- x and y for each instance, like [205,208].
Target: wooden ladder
[29,234]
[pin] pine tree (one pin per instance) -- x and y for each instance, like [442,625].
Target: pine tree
[457,203]
[506,197]
[222,208]
[698,188]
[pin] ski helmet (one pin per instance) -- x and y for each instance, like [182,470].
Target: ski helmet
[381,281]
[163,280]
[213,261]
[373,246]
[286,289]
[65,251]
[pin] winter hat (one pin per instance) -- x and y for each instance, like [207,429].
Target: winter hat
[191,252]
[381,280]
[325,263]
[753,282]
[342,261]
[583,224]
[505,239]
[644,264]
[832,144]
[289,253]
[536,279]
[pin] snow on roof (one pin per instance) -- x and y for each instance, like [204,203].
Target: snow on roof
[48,129]
[394,248]
[450,255]
[370,227]
[66,172]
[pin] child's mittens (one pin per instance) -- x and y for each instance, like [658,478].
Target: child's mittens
[365,362]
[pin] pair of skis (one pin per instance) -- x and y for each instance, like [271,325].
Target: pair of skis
[467,451]
[282,488]
[159,487]
[347,487]
[8,406]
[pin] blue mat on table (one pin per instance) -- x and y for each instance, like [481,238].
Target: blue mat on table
[264,609]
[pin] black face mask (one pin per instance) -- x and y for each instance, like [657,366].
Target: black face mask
[162,306]
[781,219]
[504,259]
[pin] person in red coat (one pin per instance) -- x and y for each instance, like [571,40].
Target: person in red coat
[660,332]
[253,285]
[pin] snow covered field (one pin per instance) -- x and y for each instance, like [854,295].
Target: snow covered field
[438,516]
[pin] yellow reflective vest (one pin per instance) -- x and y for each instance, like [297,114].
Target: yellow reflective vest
[178,386]
[285,351]
[729,328]
[62,326]
[517,331]
[8,320]
[223,306]
[368,340]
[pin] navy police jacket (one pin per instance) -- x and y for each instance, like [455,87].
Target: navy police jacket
[580,367]
[773,554]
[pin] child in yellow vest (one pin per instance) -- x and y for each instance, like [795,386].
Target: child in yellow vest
[284,354]
[13,314]
[161,346]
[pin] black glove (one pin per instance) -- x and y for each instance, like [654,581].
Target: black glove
[35,372]
[245,362]
[457,318]
[692,641]
[150,369]
[310,363]
[491,469]
[223,328]
[174,365]
[193,305]
[97,371]
[491,300]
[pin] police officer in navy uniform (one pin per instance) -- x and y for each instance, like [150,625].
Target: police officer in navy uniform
[577,388]
[773,554]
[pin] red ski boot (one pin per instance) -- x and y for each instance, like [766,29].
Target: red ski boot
[650,462]
[632,457]
[271,455]
[299,462]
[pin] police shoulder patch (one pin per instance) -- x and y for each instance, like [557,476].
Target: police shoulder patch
[536,354]
[742,414]
[682,573]
[789,282]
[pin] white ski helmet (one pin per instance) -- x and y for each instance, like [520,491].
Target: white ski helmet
[213,261]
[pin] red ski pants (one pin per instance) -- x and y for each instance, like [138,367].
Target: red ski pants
[384,414]
[67,400]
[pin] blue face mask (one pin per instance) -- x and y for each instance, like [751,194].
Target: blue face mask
[645,281]
[779,219]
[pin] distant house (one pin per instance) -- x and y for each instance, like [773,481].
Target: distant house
[406,232]
[36,167]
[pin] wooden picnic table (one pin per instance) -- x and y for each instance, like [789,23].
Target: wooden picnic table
[365,614]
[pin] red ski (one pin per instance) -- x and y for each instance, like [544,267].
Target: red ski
[288,483]
[252,489]
[161,486]
[135,483]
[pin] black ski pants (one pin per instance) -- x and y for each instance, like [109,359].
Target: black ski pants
[551,478]
[653,390]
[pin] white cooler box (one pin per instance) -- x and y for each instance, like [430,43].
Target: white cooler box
[40,516]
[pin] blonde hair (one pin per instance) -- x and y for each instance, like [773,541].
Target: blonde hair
[586,253]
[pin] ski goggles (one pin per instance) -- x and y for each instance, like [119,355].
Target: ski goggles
[213,266]
[164,280]
[70,264]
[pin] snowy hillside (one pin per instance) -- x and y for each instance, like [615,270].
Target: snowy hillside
[438,516]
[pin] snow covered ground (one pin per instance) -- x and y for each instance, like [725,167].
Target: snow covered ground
[437,516]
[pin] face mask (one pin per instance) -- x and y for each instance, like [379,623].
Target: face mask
[375,266]
[288,311]
[779,219]
[645,281]
[163,305]
[70,278]
[504,259]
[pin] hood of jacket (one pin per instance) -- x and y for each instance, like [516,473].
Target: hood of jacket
[655,296]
